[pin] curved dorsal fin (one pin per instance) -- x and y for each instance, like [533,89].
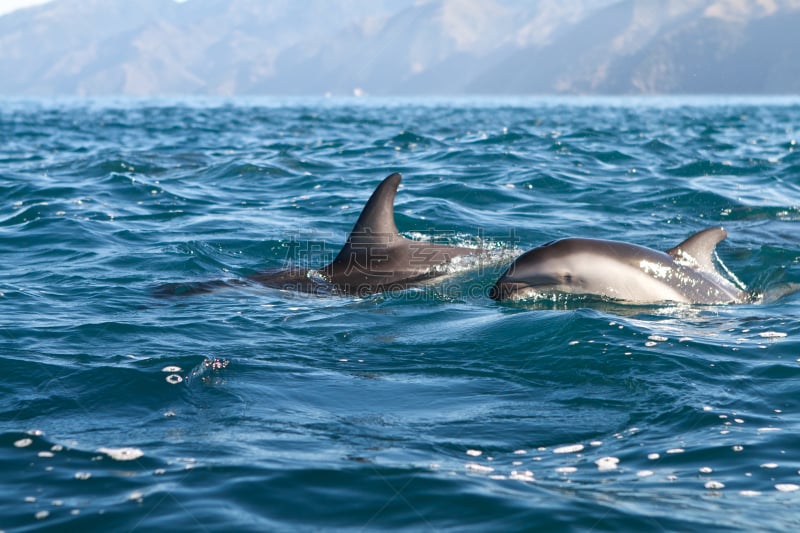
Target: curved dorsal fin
[698,250]
[376,257]
[375,230]
[377,217]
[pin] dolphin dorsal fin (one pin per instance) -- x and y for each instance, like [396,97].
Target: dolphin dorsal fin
[376,257]
[377,217]
[698,250]
[375,232]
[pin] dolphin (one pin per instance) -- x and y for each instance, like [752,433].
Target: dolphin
[375,258]
[622,271]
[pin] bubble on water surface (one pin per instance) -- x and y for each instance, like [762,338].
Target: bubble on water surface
[572,448]
[122,454]
[475,467]
[172,369]
[22,443]
[605,464]
[216,363]
[521,475]
[787,487]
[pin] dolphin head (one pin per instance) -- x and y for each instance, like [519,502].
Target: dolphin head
[546,269]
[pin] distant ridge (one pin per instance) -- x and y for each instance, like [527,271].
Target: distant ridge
[401,47]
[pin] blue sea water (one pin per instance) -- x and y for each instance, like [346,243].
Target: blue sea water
[435,408]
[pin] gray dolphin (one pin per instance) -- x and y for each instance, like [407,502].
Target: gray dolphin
[622,271]
[375,258]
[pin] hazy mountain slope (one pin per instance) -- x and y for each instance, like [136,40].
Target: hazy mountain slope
[150,47]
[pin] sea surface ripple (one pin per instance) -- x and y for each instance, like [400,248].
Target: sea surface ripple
[436,408]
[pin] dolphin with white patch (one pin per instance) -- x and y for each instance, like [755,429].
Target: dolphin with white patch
[623,272]
[375,258]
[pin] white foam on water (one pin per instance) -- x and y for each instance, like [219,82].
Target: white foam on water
[572,448]
[605,464]
[521,475]
[749,493]
[122,454]
[475,467]
[772,334]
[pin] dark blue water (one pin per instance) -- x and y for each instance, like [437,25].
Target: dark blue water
[252,409]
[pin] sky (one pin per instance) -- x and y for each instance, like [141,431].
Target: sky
[7,6]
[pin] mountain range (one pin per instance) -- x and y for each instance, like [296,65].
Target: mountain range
[400,47]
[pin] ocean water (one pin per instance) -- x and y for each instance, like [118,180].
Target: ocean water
[434,408]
